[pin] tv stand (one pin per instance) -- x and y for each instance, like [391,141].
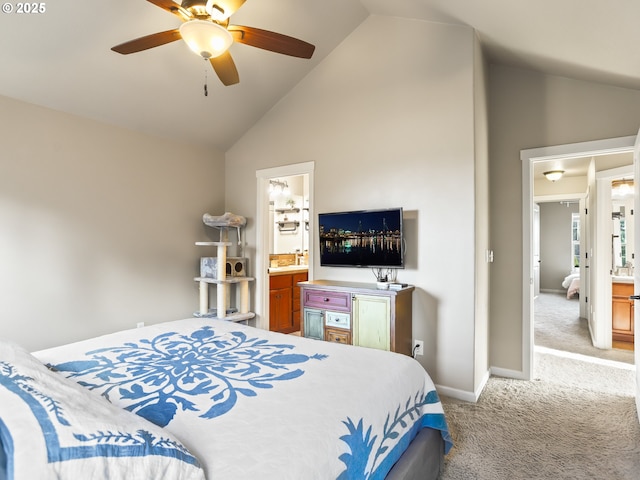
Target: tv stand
[358,314]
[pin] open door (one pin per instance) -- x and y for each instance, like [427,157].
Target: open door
[536,250]
[636,270]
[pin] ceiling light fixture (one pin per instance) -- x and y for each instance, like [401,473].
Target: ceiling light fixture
[205,38]
[279,187]
[554,175]
[622,188]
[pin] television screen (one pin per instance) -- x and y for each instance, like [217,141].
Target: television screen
[367,238]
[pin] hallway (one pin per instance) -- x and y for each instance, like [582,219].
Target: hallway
[557,325]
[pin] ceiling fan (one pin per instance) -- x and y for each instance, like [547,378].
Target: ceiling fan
[207,31]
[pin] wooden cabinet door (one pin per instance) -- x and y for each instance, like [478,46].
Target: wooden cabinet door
[280,315]
[297,277]
[622,312]
[372,322]
[313,324]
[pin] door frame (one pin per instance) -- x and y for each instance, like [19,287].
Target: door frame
[262,231]
[528,158]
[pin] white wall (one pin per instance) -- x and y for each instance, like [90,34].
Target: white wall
[97,226]
[568,186]
[389,121]
[528,110]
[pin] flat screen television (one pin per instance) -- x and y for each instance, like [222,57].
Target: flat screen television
[365,238]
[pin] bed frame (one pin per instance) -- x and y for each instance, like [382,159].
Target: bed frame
[423,460]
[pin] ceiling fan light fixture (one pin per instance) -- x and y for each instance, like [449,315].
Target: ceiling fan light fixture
[554,175]
[205,38]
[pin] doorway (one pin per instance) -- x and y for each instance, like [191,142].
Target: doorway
[265,224]
[530,158]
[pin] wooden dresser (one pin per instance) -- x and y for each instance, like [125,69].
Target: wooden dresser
[358,314]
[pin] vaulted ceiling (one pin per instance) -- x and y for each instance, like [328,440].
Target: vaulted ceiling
[61,58]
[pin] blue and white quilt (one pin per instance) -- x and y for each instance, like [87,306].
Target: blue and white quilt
[51,428]
[255,404]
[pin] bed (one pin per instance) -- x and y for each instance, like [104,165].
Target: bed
[236,402]
[572,283]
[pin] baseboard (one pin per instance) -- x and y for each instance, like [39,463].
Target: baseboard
[456,393]
[464,394]
[551,290]
[483,383]
[506,373]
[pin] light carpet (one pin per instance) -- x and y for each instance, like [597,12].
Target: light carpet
[576,420]
[558,325]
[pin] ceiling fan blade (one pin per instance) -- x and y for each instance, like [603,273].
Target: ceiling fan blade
[274,42]
[226,69]
[148,41]
[172,7]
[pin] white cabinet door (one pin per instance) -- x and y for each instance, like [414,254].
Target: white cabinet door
[313,323]
[372,321]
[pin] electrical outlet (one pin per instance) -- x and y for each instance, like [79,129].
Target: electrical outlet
[139,324]
[418,348]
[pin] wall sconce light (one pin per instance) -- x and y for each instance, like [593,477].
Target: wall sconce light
[554,175]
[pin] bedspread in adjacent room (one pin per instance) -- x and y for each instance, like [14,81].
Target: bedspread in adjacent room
[572,283]
[250,404]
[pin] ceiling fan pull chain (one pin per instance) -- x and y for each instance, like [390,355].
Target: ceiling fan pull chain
[206,90]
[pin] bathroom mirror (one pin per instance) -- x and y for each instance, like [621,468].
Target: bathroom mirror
[622,254]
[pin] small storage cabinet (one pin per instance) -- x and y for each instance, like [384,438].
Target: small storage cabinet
[284,301]
[358,314]
[622,312]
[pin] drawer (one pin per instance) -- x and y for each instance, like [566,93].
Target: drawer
[279,281]
[337,336]
[622,289]
[338,301]
[300,277]
[337,320]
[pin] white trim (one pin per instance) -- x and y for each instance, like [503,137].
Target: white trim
[463,394]
[636,271]
[457,394]
[559,197]
[528,158]
[286,170]
[577,150]
[506,373]
[601,330]
[262,231]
